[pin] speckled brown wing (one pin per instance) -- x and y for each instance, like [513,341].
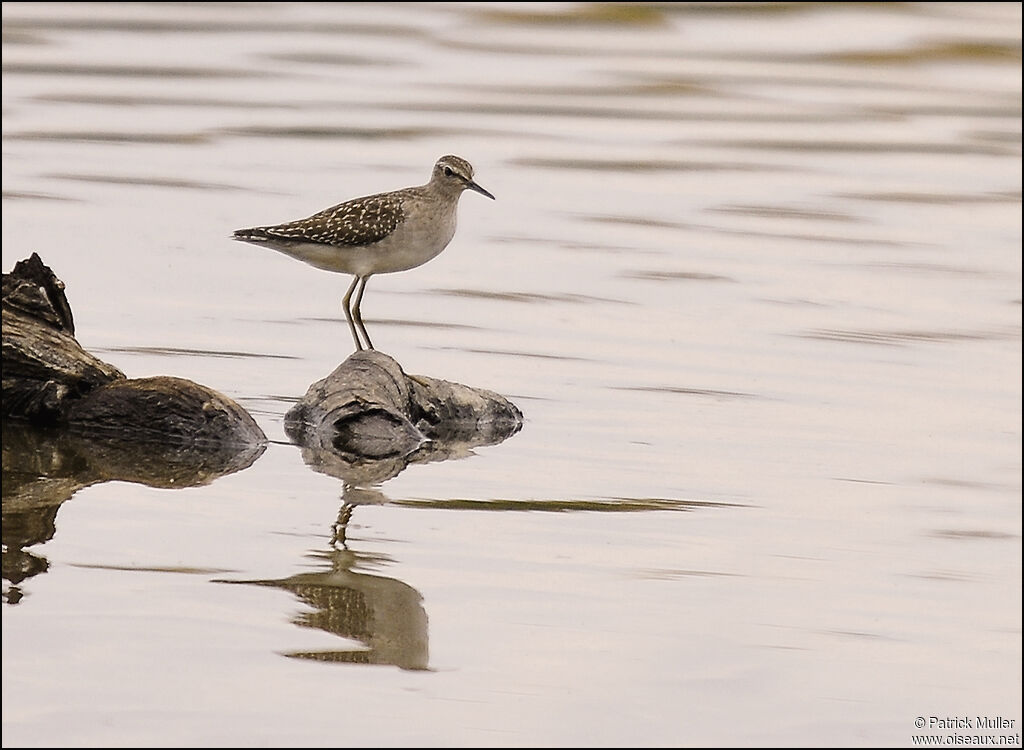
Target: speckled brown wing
[361,221]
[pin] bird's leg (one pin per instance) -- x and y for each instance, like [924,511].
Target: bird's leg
[358,314]
[340,527]
[348,312]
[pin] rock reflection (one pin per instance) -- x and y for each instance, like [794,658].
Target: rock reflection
[384,614]
[361,476]
[368,420]
[44,468]
[364,424]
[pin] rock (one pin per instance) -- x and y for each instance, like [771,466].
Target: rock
[368,419]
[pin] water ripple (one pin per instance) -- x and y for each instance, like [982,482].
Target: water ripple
[899,338]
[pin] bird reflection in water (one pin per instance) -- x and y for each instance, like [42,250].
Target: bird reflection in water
[384,615]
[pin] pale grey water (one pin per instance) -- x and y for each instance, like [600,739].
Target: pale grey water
[753,275]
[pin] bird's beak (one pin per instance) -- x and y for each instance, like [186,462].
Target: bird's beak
[470,185]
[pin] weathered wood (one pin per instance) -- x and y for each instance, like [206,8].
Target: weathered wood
[364,422]
[49,379]
[161,409]
[368,419]
[44,367]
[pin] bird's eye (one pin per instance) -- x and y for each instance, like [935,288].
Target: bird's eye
[448,172]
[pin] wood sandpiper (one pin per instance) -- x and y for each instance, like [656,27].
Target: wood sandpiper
[382,233]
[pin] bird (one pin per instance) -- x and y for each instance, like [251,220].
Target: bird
[380,233]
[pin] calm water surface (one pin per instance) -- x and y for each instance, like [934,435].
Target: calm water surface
[753,275]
